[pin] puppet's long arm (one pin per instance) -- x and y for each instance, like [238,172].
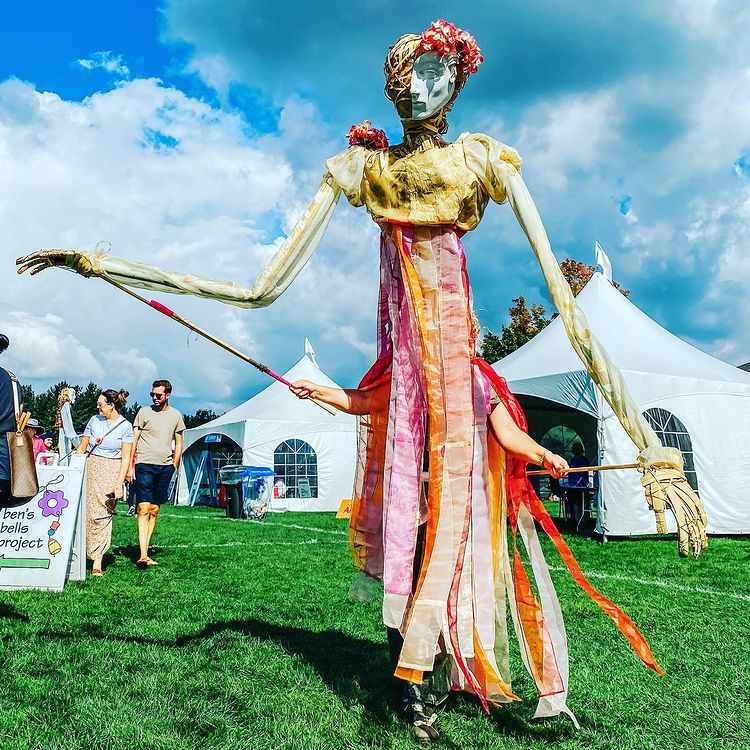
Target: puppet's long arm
[663,480]
[601,368]
[282,269]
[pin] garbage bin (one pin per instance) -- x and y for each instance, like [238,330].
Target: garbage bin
[230,477]
[248,490]
[257,491]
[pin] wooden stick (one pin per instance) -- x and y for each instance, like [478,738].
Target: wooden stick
[206,335]
[584,468]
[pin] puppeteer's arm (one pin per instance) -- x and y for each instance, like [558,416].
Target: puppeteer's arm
[283,268]
[348,400]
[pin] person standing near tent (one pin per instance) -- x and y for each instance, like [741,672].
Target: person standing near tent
[577,483]
[157,446]
[106,442]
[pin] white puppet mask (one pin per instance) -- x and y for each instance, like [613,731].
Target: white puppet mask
[433,81]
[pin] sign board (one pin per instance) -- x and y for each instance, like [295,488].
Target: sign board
[43,541]
[214,437]
[345,509]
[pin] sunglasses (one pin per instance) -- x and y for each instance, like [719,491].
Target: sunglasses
[157,395]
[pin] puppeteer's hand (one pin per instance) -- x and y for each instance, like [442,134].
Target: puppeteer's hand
[305,389]
[556,465]
[42,259]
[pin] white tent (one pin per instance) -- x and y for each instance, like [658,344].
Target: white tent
[275,429]
[694,401]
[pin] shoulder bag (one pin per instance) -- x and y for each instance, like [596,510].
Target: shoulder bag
[23,478]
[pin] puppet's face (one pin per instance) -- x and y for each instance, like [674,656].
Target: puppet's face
[433,81]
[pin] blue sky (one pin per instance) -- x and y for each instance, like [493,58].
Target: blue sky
[191,133]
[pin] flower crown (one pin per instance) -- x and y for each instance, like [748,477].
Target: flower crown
[445,38]
[365,135]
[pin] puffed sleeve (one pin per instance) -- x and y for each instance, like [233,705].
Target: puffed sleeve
[347,169]
[490,161]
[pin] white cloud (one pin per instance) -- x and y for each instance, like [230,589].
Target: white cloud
[107,61]
[215,71]
[568,136]
[128,366]
[168,180]
[41,347]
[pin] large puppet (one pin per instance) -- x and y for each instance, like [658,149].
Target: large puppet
[431,395]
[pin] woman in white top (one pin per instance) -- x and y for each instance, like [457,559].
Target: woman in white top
[107,442]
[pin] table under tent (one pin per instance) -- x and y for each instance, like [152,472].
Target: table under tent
[694,402]
[311,453]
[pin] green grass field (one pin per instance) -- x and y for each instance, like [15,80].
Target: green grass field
[244,637]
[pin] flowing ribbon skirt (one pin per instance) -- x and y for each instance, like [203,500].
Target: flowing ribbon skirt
[431,399]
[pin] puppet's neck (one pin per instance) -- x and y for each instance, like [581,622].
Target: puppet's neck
[419,135]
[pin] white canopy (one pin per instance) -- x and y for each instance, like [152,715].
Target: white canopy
[709,399]
[263,423]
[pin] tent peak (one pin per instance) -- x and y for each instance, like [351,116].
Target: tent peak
[310,352]
[602,260]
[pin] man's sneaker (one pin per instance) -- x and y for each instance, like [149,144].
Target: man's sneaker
[131,511]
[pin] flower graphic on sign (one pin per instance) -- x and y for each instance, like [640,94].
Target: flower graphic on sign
[53,503]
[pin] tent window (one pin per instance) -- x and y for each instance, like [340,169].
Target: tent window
[561,440]
[225,453]
[674,434]
[295,462]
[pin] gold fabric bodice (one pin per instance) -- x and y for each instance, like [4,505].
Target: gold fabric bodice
[447,186]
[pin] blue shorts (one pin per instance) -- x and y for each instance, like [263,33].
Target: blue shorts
[152,483]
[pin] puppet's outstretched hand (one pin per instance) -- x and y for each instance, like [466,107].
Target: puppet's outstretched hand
[42,259]
[667,488]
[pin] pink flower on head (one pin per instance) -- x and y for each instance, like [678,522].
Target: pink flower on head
[365,135]
[445,38]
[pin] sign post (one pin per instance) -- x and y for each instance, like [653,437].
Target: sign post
[43,541]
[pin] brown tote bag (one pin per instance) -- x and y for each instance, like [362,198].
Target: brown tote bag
[23,478]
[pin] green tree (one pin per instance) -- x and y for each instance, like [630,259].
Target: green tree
[524,324]
[28,399]
[129,412]
[85,406]
[200,417]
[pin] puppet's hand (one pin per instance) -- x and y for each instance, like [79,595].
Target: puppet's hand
[41,259]
[667,487]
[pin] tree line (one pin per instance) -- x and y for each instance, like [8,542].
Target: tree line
[525,322]
[43,406]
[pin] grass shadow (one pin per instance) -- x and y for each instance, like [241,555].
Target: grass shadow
[133,552]
[11,613]
[356,669]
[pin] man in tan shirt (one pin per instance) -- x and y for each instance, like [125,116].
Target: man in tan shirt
[156,430]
